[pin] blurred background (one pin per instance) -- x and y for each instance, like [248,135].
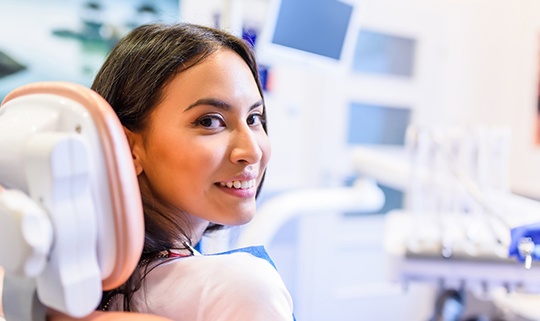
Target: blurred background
[342,79]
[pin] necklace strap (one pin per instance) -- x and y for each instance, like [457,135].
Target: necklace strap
[175,255]
[190,248]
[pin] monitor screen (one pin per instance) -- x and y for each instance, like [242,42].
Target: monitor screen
[316,26]
[377,125]
[382,53]
[314,31]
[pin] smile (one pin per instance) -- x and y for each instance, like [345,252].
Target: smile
[239,184]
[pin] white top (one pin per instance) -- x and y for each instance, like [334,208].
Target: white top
[237,286]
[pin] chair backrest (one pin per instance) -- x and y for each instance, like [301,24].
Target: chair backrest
[112,203]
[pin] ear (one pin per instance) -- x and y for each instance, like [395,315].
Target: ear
[136,146]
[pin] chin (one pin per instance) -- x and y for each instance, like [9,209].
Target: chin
[247,219]
[241,219]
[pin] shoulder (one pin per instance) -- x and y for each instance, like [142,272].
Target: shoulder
[246,275]
[222,287]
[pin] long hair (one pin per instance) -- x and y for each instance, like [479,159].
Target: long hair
[132,80]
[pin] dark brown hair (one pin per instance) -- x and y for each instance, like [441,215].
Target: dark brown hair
[132,80]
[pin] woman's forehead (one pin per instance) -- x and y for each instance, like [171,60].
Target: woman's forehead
[223,75]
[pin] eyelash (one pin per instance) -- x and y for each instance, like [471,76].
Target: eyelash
[262,118]
[199,121]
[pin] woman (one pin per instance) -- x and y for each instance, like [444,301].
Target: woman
[191,103]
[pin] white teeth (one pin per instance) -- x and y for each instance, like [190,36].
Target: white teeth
[239,184]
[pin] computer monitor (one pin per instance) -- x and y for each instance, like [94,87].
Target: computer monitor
[315,33]
[384,54]
[374,124]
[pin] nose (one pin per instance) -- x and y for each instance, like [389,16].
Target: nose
[245,146]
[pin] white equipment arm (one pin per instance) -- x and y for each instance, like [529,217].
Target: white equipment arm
[363,196]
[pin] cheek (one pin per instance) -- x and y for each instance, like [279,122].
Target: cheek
[189,165]
[266,148]
[182,176]
[170,161]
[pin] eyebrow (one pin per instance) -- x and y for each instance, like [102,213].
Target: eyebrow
[219,104]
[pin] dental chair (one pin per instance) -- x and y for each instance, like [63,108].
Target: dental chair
[71,219]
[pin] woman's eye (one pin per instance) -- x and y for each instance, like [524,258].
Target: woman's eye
[255,119]
[210,122]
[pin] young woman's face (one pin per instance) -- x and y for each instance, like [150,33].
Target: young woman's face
[205,149]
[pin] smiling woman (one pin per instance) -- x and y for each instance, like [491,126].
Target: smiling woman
[192,107]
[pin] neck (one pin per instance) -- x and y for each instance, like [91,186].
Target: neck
[197,227]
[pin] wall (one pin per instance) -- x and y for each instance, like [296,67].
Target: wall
[487,64]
